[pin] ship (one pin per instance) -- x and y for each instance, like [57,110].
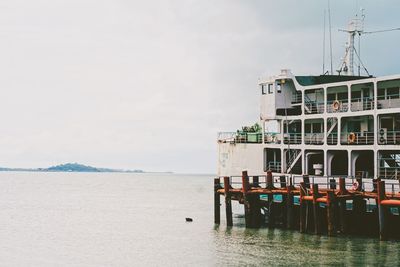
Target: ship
[325,125]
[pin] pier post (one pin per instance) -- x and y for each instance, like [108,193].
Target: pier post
[306,180]
[289,208]
[270,182]
[330,212]
[246,203]
[302,208]
[381,210]
[359,210]
[316,209]
[228,202]
[282,180]
[217,203]
[332,183]
[342,205]
[256,182]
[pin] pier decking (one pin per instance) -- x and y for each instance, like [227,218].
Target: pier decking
[325,205]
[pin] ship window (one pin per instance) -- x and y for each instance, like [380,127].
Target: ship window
[317,127]
[307,127]
[269,88]
[381,94]
[263,89]
[278,87]
[342,96]
[393,92]
[331,97]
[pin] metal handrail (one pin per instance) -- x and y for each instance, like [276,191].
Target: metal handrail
[361,138]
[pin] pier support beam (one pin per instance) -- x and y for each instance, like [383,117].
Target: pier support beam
[330,212]
[228,202]
[382,210]
[317,225]
[217,203]
[252,207]
[303,208]
[289,208]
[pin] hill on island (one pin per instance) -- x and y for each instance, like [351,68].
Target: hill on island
[70,167]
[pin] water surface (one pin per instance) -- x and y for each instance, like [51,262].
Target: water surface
[117,219]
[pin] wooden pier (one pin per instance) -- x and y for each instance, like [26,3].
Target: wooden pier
[331,207]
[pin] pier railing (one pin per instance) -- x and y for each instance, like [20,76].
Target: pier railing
[324,182]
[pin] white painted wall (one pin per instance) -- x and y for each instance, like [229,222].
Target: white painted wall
[234,158]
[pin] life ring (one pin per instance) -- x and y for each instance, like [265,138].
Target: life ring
[336,105]
[351,138]
[355,186]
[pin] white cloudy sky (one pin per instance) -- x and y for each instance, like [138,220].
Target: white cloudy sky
[148,84]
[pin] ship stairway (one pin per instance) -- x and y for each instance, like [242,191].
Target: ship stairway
[293,156]
[309,105]
[391,170]
[333,122]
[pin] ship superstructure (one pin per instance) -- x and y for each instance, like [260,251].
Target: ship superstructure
[327,125]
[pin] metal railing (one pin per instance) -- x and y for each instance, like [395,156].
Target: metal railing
[292,138]
[314,138]
[389,138]
[332,138]
[314,107]
[342,107]
[241,137]
[272,138]
[274,166]
[389,173]
[296,98]
[388,101]
[360,104]
[324,182]
[357,138]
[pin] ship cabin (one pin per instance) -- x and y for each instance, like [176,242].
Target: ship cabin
[321,125]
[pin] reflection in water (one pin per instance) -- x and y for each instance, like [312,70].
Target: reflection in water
[239,246]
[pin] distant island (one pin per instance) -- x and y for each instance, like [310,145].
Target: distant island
[70,167]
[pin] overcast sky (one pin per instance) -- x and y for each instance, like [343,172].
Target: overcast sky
[148,84]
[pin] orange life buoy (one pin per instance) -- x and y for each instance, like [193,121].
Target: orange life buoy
[355,186]
[335,105]
[352,138]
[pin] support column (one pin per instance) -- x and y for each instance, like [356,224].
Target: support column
[245,188]
[217,203]
[382,211]
[317,227]
[330,212]
[228,202]
[289,207]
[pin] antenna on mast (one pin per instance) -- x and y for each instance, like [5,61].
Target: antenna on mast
[323,46]
[330,34]
[355,27]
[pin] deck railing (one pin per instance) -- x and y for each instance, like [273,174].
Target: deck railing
[390,101]
[332,139]
[389,138]
[314,138]
[360,104]
[272,138]
[292,138]
[240,137]
[343,106]
[357,138]
[313,107]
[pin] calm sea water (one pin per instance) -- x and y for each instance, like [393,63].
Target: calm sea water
[89,219]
